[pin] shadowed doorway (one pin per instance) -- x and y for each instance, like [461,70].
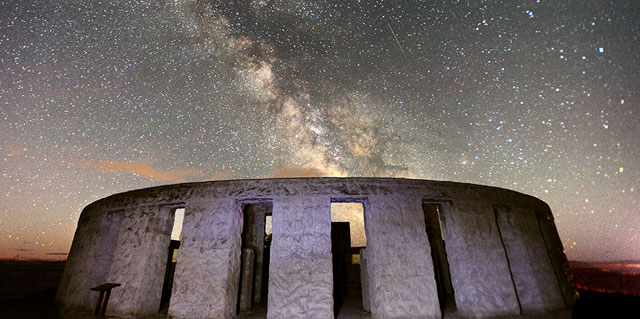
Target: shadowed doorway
[255,252]
[172,259]
[433,223]
[347,240]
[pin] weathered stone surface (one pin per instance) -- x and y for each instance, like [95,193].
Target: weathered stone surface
[139,261]
[96,242]
[557,256]
[300,272]
[533,275]
[246,283]
[479,270]
[402,283]
[208,266]
[364,280]
[124,238]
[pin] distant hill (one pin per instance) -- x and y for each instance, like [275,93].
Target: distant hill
[26,278]
[620,277]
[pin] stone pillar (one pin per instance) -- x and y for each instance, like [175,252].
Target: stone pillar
[364,280]
[531,269]
[300,271]
[89,259]
[246,279]
[401,277]
[208,268]
[139,261]
[479,270]
[558,257]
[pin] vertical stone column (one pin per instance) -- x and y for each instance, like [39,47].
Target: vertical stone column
[479,270]
[531,268]
[402,282]
[364,280]
[246,283]
[139,261]
[558,257]
[89,259]
[300,271]
[208,267]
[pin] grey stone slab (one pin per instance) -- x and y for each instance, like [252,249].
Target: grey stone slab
[531,268]
[208,266]
[246,279]
[479,269]
[364,280]
[401,274]
[300,274]
[139,261]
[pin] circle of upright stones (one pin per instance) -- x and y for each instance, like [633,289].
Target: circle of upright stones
[498,251]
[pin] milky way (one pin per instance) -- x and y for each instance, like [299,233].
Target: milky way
[541,97]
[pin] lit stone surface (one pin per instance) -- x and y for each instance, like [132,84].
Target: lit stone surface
[73,291]
[208,268]
[533,274]
[400,268]
[558,258]
[124,238]
[300,272]
[479,269]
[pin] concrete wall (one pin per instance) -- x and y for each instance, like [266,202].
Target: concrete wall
[208,267]
[300,272]
[139,261]
[94,243]
[402,283]
[530,266]
[364,280]
[124,238]
[557,256]
[479,270]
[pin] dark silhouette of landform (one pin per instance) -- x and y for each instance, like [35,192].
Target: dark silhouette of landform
[607,289]
[619,277]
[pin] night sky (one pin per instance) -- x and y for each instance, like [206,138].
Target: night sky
[100,97]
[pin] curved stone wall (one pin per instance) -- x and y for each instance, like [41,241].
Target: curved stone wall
[503,252]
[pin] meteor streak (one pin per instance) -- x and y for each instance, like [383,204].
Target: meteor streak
[395,37]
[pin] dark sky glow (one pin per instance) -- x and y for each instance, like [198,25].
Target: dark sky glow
[99,97]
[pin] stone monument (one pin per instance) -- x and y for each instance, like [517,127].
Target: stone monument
[432,248]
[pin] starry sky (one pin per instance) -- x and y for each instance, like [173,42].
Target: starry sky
[100,97]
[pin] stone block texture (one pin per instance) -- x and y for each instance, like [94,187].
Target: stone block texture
[208,269]
[399,262]
[479,268]
[531,268]
[503,251]
[364,280]
[300,271]
[246,285]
